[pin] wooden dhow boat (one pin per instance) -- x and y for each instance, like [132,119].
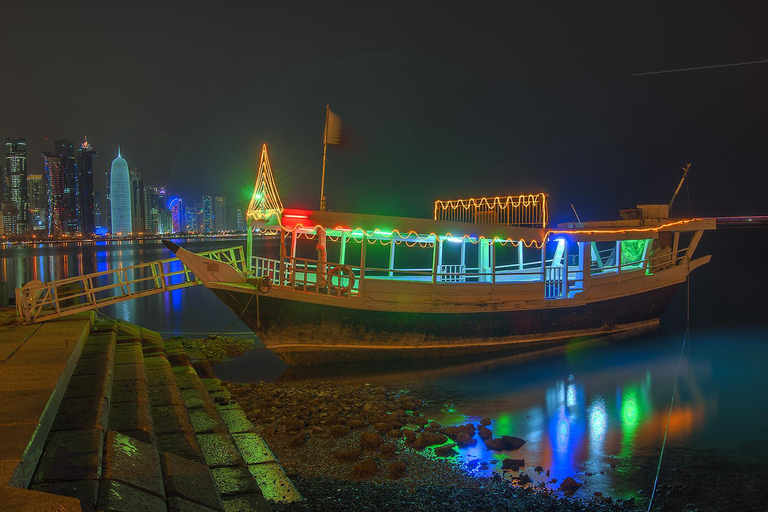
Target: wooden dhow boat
[482,275]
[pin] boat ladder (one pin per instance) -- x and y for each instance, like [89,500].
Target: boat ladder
[37,301]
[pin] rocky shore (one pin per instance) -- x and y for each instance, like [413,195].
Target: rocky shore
[216,349]
[360,447]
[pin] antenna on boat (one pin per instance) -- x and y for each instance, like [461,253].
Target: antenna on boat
[581,224]
[679,186]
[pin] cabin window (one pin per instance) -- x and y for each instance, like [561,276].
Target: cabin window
[633,253]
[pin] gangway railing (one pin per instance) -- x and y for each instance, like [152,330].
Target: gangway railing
[37,301]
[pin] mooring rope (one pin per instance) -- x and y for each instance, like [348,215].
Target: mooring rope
[674,388]
[238,316]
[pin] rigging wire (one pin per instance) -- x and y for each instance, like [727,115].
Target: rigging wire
[674,388]
[698,68]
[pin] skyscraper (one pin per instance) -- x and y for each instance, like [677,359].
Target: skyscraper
[240,223]
[37,202]
[54,176]
[207,214]
[96,209]
[219,214]
[120,196]
[85,191]
[16,172]
[137,201]
[177,214]
[65,150]
[107,210]
[191,216]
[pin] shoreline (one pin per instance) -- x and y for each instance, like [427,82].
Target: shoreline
[348,446]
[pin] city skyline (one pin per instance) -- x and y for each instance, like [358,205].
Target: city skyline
[62,201]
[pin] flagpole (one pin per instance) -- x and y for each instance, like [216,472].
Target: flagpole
[325,147]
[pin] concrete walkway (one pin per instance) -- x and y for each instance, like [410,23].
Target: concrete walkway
[36,365]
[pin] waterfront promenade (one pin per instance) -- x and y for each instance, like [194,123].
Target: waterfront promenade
[98,414]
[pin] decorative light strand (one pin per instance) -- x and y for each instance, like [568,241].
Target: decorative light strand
[508,203]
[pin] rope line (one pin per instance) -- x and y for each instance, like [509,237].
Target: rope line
[674,388]
[697,68]
[238,316]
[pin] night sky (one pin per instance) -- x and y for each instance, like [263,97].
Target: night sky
[438,100]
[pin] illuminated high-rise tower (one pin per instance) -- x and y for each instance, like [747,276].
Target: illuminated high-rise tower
[219,214]
[85,191]
[137,201]
[53,168]
[16,173]
[207,214]
[37,202]
[65,150]
[120,196]
[177,214]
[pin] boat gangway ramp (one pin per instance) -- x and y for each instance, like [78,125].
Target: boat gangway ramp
[37,301]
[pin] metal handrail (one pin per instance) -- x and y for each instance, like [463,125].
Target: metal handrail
[37,302]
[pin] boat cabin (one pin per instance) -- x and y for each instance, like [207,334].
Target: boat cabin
[497,248]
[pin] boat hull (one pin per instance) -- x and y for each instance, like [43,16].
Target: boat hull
[304,333]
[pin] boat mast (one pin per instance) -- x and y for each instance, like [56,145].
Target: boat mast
[674,196]
[325,148]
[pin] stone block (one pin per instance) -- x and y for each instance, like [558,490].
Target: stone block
[119,497]
[90,385]
[128,357]
[185,380]
[236,420]
[128,372]
[132,462]
[130,416]
[219,450]
[170,419]
[273,483]
[206,419]
[70,455]
[193,398]
[253,448]
[234,480]
[93,365]
[165,394]
[159,374]
[182,444]
[153,360]
[190,480]
[86,412]
[130,391]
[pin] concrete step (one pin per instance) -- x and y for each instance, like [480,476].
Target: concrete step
[188,480]
[238,488]
[70,464]
[132,477]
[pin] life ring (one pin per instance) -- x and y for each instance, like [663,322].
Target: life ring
[339,271]
[264,285]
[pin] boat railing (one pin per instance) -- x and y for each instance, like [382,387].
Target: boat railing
[344,280]
[652,263]
[37,301]
[308,275]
